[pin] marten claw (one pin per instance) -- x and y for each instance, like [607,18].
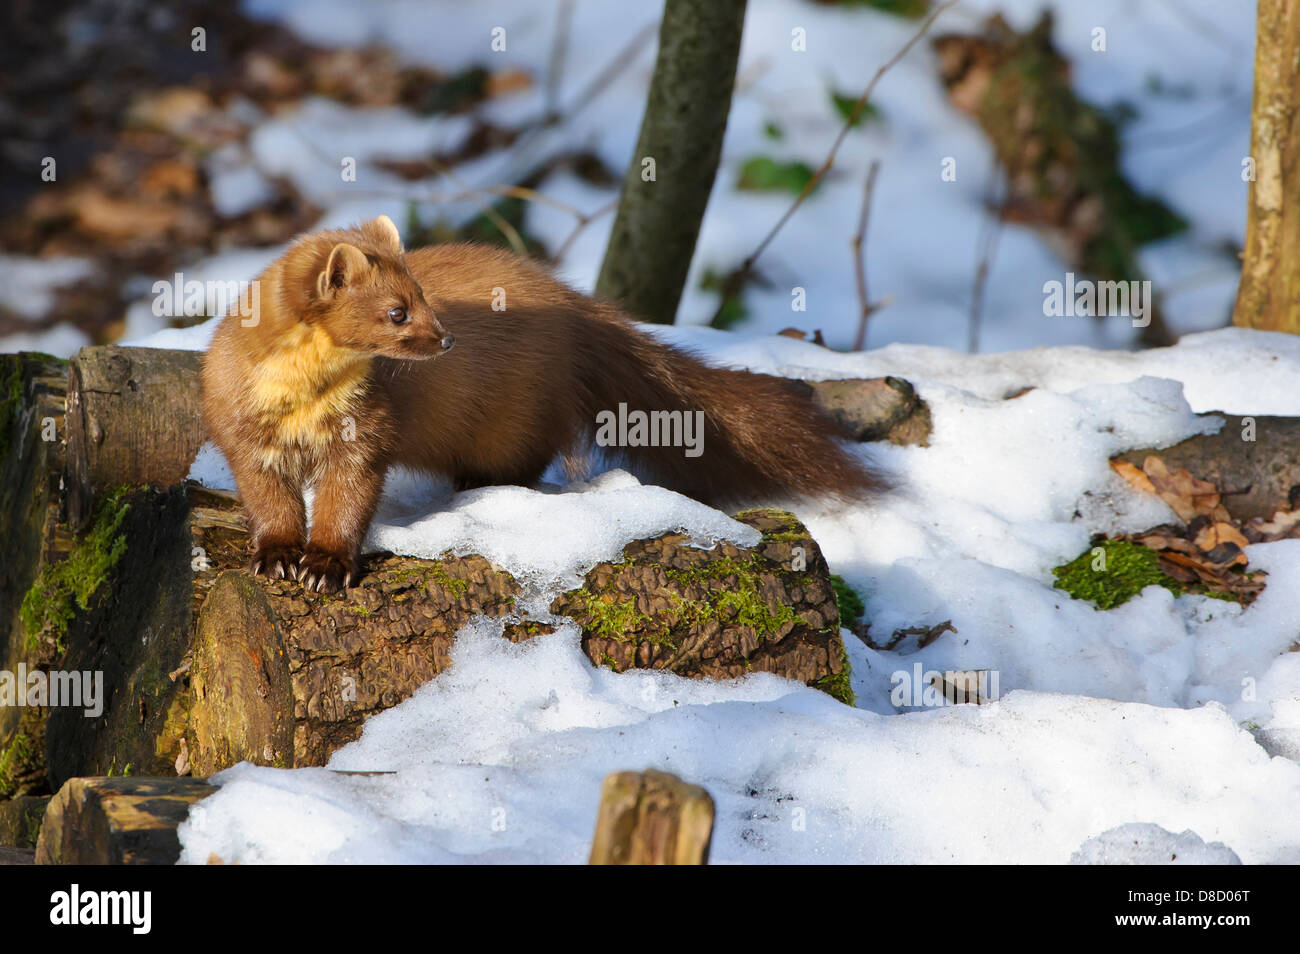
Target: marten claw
[325,572]
[274,562]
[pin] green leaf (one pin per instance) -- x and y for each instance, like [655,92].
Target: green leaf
[765,174]
[844,106]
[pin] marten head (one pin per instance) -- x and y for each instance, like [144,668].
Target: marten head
[367,299]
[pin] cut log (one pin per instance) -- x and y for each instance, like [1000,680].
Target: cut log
[652,818]
[874,409]
[719,613]
[117,821]
[239,680]
[133,418]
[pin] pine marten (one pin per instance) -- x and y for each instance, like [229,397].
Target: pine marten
[471,363]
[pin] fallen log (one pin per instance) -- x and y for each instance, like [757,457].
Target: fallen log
[205,665]
[1253,460]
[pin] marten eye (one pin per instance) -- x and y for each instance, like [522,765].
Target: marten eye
[398,316]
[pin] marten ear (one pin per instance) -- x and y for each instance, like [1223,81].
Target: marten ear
[346,264]
[389,231]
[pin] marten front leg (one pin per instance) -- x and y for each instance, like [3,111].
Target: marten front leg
[346,497]
[279,520]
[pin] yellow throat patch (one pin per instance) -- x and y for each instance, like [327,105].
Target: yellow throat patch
[305,387]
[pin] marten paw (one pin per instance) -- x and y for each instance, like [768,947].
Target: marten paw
[325,572]
[275,561]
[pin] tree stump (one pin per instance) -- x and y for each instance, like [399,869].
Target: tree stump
[652,818]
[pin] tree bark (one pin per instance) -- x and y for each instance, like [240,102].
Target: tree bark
[658,221]
[1269,294]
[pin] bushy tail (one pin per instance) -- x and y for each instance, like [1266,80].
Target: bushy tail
[762,436]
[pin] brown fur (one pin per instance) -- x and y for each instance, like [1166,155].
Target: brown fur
[520,387]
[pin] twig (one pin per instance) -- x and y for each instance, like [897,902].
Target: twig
[509,231]
[987,245]
[602,80]
[583,221]
[512,235]
[859,258]
[742,274]
[554,117]
[559,52]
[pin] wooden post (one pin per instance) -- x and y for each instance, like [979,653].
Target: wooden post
[133,418]
[652,818]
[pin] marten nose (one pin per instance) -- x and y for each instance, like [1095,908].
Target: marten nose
[448,342]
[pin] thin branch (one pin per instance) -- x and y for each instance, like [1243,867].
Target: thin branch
[987,244]
[559,53]
[583,221]
[866,308]
[741,274]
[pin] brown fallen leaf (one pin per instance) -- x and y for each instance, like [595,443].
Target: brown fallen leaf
[1133,474]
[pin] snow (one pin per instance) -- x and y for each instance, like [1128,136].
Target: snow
[1136,844]
[500,760]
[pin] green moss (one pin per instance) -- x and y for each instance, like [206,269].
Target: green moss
[18,759]
[1129,568]
[438,573]
[839,685]
[850,604]
[60,588]
[610,618]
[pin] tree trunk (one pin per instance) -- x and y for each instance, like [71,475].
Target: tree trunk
[1269,294]
[668,183]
